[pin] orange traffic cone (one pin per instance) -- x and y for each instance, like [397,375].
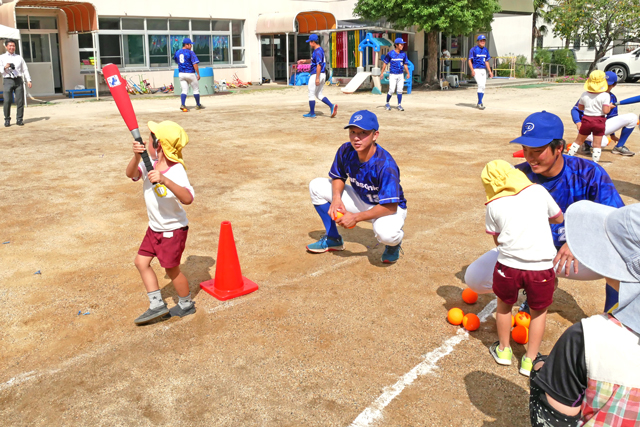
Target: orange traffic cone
[519,154]
[228,282]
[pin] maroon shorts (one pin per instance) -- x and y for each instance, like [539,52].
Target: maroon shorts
[168,250]
[539,285]
[592,125]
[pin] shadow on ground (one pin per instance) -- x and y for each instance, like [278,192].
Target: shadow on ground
[500,399]
[197,270]
[359,235]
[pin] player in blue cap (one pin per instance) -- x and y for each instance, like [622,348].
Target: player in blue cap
[568,180]
[397,61]
[189,73]
[614,122]
[375,193]
[317,78]
[479,65]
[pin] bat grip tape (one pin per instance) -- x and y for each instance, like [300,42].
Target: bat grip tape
[144,154]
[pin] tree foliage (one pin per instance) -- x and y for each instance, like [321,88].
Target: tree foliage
[610,23]
[432,16]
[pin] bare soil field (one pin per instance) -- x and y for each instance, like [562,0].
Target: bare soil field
[335,339]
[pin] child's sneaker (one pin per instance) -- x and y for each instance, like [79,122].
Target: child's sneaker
[181,312]
[152,314]
[387,107]
[503,357]
[334,110]
[526,365]
[573,149]
[400,108]
[326,244]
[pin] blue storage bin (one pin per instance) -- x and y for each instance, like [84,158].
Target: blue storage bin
[206,81]
[302,79]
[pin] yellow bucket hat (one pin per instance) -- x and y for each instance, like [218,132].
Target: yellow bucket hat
[500,179]
[172,138]
[597,82]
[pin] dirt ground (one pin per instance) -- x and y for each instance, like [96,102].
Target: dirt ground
[326,335]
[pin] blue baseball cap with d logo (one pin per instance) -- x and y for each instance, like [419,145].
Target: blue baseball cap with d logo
[539,129]
[313,38]
[363,119]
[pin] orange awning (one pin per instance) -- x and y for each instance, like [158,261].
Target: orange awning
[81,16]
[280,23]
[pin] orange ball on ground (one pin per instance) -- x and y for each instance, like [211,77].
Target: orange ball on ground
[455,316]
[520,334]
[523,319]
[469,296]
[471,322]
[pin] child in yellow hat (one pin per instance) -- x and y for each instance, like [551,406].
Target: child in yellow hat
[518,216]
[165,188]
[596,104]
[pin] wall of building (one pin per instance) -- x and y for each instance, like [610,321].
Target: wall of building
[511,35]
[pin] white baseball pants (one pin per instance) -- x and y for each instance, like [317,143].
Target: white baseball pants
[479,275]
[481,78]
[616,123]
[396,83]
[316,91]
[387,229]
[189,79]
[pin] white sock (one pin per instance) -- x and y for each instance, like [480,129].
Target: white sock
[185,302]
[573,149]
[595,154]
[155,299]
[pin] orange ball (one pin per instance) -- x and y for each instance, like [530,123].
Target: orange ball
[471,322]
[340,215]
[523,319]
[455,316]
[469,296]
[520,334]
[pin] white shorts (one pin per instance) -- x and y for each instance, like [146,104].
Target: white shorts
[387,229]
[189,79]
[481,78]
[316,91]
[396,83]
[616,123]
[479,275]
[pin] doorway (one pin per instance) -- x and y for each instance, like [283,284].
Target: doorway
[40,49]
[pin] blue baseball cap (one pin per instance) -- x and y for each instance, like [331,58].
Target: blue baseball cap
[186,40]
[612,78]
[363,119]
[313,38]
[399,40]
[539,129]
[481,37]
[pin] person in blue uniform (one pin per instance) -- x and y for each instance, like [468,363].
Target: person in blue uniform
[479,65]
[398,64]
[317,78]
[189,73]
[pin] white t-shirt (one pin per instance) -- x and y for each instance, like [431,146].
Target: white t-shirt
[165,213]
[521,223]
[593,103]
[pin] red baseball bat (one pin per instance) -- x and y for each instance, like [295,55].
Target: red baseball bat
[118,87]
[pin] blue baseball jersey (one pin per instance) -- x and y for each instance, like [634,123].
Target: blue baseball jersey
[185,58]
[317,59]
[397,60]
[576,114]
[479,56]
[580,179]
[376,182]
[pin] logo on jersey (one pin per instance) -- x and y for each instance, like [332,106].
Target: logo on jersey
[528,127]
[114,81]
[356,118]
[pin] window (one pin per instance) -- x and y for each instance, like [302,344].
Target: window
[304,50]
[220,25]
[179,25]
[85,41]
[265,44]
[43,23]
[176,43]
[220,49]
[592,41]
[202,49]
[133,46]
[237,41]
[157,24]
[200,25]
[109,23]
[159,51]
[22,22]
[110,50]
[85,48]
[539,41]
[132,24]
[576,42]
[238,56]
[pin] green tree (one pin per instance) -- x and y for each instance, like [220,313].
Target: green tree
[432,16]
[540,22]
[610,23]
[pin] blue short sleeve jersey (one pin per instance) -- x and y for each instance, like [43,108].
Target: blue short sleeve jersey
[317,60]
[376,181]
[479,55]
[397,61]
[185,58]
[580,179]
[576,114]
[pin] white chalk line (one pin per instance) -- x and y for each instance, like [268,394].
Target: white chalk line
[373,413]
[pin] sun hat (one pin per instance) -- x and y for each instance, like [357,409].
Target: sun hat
[172,138]
[313,38]
[612,78]
[607,241]
[539,129]
[399,40]
[363,119]
[500,179]
[597,82]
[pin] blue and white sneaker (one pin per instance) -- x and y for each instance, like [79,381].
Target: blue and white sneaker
[309,115]
[391,254]
[334,110]
[387,107]
[326,244]
[400,108]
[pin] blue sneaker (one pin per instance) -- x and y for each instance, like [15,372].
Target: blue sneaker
[326,244]
[309,115]
[334,110]
[391,254]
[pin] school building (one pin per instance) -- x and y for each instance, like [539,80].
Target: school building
[63,41]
